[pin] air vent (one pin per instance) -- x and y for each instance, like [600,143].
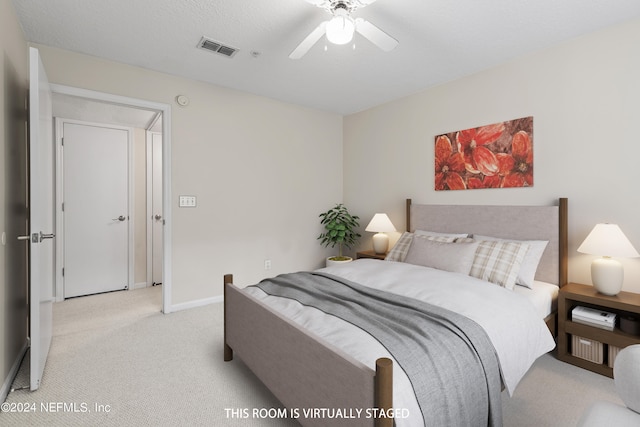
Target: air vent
[217,47]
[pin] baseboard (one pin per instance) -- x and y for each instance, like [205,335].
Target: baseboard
[6,386]
[140,285]
[196,303]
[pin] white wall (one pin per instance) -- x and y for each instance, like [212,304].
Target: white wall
[261,170]
[583,96]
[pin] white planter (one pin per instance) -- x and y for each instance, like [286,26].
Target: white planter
[331,262]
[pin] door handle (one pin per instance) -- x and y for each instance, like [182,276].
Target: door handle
[37,237]
[157,217]
[120,218]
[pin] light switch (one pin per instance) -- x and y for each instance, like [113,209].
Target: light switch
[187,201]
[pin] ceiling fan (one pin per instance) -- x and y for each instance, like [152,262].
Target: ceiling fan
[340,28]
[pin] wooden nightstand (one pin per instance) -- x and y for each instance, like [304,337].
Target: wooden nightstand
[574,294]
[369,254]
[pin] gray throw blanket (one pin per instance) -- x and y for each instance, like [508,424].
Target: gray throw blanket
[448,358]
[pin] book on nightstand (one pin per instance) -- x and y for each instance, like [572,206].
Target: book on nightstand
[593,317]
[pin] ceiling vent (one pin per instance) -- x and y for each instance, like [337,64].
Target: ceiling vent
[217,47]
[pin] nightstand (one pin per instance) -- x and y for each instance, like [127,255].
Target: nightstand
[369,254]
[574,294]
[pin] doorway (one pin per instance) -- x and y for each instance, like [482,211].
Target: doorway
[159,111]
[96,207]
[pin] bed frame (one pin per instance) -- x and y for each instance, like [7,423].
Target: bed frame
[303,371]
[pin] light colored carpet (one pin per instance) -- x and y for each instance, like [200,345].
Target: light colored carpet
[116,360]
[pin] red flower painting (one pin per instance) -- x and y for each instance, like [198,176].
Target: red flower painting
[449,166]
[493,156]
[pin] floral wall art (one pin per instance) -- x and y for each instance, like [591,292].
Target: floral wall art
[492,156]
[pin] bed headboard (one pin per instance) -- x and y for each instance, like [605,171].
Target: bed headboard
[511,222]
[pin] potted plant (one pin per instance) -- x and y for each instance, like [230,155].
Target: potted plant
[339,229]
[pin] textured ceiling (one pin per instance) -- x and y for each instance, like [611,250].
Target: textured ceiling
[439,41]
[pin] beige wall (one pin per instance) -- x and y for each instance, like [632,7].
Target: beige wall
[262,171]
[13,286]
[583,96]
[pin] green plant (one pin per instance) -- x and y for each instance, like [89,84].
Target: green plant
[339,228]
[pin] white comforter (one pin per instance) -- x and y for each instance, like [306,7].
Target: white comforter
[517,332]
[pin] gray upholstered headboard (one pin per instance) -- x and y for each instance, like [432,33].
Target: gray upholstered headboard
[514,222]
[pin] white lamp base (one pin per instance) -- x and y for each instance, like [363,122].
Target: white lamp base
[380,243]
[607,275]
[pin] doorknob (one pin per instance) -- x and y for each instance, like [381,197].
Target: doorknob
[158,217]
[120,218]
[37,237]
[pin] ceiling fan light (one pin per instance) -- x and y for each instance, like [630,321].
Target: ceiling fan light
[340,29]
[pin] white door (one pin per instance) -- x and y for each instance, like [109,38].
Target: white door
[96,209]
[41,206]
[156,203]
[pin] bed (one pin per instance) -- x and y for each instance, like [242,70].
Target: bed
[324,379]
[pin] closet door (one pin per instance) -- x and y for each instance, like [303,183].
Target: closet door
[96,209]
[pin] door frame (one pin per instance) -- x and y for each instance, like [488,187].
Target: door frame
[165,110]
[59,196]
[149,162]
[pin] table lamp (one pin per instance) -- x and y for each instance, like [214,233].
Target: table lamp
[607,240]
[380,224]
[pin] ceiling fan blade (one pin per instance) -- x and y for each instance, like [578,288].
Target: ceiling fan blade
[309,41]
[375,35]
[363,2]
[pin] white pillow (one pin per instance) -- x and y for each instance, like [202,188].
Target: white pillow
[529,264]
[447,256]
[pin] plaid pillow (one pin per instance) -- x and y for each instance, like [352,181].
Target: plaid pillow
[529,265]
[401,248]
[499,262]
[399,251]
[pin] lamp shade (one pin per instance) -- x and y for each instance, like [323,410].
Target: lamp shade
[380,223]
[608,240]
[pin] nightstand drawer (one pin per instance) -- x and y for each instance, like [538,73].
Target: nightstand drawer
[587,349]
[613,353]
